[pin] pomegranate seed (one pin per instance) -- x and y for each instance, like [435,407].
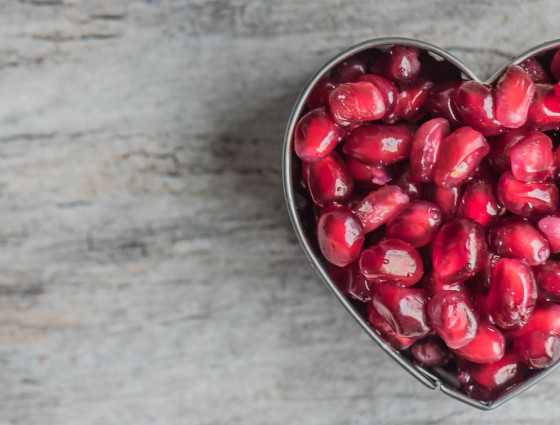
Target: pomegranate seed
[458,250]
[379,144]
[328,180]
[529,200]
[441,102]
[514,93]
[411,104]
[319,95]
[430,352]
[432,285]
[399,63]
[384,329]
[488,345]
[514,237]
[351,281]
[392,261]
[364,173]
[500,146]
[340,235]
[356,102]
[545,317]
[550,226]
[316,135]
[417,224]
[349,70]
[493,378]
[459,155]
[555,65]
[403,308]
[425,148]
[409,185]
[531,158]
[387,89]
[453,318]
[513,293]
[480,202]
[538,349]
[380,206]
[446,199]
[535,70]
[475,104]
[544,112]
[547,276]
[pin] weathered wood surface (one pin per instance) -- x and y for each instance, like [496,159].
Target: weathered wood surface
[149,271]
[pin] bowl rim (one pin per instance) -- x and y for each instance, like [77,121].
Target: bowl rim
[421,374]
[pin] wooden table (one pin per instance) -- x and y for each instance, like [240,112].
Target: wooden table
[149,273]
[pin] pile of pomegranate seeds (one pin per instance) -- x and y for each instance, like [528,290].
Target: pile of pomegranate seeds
[435,201]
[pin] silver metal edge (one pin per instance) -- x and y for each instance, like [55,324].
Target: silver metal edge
[423,376]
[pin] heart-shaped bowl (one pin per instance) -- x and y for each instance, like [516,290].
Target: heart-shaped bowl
[304,225]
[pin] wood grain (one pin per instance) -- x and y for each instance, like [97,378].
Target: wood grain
[149,271]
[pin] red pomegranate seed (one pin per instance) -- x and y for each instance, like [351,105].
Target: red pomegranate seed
[547,276]
[340,235]
[425,148]
[480,202]
[545,317]
[459,155]
[531,158]
[555,65]
[453,318]
[316,135]
[387,89]
[538,349]
[492,377]
[351,281]
[319,95]
[384,329]
[430,352]
[328,180]
[432,285]
[392,261]
[498,157]
[458,250]
[475,104]
[417,224]
[349,70]
[411,104]
[441,102]
[544,112]
[535,70]
[513,293]
[409,185]
[488,345]
[399,63]
[380,206]
[379,144]
[446,199]
[356,102]
[514,237]
[514,93]
[403,308]
[370,175]
[529,200]
[550,226]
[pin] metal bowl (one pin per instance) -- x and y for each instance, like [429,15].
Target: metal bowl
[434,378]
